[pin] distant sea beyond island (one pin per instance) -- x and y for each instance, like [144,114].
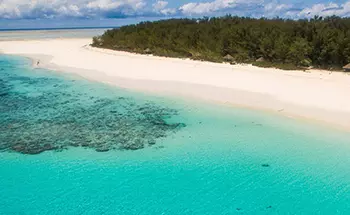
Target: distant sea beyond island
[51,33]
[54,29]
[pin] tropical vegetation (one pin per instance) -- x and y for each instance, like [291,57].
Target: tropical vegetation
[318,42]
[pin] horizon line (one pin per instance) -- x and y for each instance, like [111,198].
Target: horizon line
[53,28]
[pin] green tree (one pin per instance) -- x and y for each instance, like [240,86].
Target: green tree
[299,52]
[322,42]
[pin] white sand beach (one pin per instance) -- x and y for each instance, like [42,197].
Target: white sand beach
[317,95]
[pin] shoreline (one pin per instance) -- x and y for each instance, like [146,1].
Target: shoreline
[206,81]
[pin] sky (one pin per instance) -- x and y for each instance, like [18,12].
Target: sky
[69,13]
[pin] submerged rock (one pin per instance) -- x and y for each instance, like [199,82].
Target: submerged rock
[151,142]
[33,148]
[102,149]
[132,146]
[18,148]
[3,94]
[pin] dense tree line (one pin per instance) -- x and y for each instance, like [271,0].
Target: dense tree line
[319,42]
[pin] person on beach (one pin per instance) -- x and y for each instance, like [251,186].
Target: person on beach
[37,63]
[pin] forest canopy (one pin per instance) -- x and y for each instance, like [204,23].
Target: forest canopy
[318,42]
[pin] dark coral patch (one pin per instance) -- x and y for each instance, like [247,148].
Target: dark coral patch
[40,114]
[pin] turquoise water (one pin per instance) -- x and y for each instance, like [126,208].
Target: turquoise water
[195,158]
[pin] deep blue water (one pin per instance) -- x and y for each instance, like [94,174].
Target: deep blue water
[160,155]
[51,33]
[55,29]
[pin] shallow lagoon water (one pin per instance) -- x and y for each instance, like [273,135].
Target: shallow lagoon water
[220,160]
[40,112]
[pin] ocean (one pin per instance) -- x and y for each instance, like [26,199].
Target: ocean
[73,146]
[48,33]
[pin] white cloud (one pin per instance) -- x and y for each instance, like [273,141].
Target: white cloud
[274,9]
[159,5]
[29,9]
[326,10]
[112,4]
[65,8]
[266,8]
[168,11]
[215,6]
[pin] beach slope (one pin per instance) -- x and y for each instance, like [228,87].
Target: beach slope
[319,96]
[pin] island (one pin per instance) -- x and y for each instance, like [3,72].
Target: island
[282,43]
[317,95]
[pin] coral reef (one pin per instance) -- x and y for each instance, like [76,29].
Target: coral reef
[38,114]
